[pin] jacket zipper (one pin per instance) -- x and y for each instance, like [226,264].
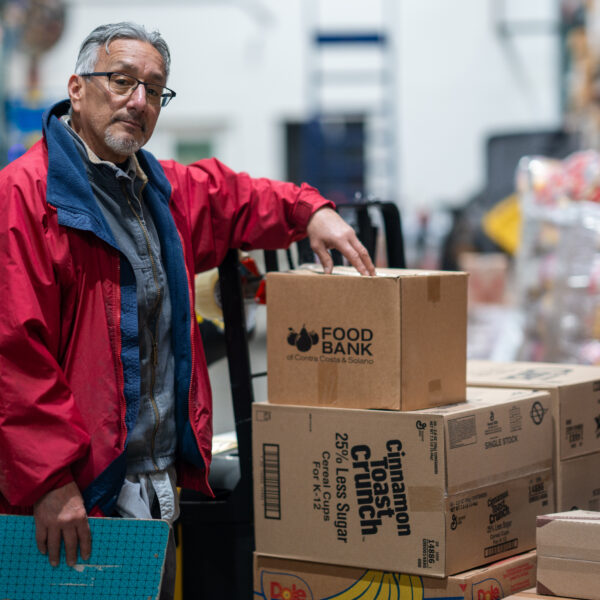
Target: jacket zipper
[155,311]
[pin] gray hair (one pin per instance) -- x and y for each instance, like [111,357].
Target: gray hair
[105,34]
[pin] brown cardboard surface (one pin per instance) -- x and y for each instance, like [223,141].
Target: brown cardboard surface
[570,535]
[395,341]
[569,554]
[578,483]
[531,594]
[487,438]
[575,392]
[280,579]
[429,492]
[494,521]
[567,577]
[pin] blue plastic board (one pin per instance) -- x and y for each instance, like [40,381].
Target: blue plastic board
[126,562]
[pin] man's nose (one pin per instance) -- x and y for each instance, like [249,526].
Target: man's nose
[138,96]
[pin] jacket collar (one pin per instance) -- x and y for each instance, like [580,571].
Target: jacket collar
[68,188]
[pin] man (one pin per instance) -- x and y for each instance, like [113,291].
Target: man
[105,399]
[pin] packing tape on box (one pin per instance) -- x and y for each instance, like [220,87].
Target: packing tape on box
[327,383]
[434,292]
[435,386]
[429,497]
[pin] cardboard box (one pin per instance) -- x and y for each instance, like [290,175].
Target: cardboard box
[578,483]
[281,579]
[396,341]
[532,595]
[569,554]
[431,492]
[575,393]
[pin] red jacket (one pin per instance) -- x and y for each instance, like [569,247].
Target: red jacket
[69,364]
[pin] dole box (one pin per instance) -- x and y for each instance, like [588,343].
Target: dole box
[431,492]
[394,341]
[281,579]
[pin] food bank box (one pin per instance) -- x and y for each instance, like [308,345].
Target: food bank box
[568,546]
[280,579]
[394,341]
[575,393]
[431,492]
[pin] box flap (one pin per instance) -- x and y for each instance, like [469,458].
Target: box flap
[317,269]
[530,374]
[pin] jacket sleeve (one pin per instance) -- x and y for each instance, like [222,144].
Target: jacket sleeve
[233,210]
[41,432]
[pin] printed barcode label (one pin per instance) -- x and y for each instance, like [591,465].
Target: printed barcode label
[499,548]
[271,481]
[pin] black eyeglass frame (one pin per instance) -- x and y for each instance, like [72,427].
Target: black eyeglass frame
[164,98]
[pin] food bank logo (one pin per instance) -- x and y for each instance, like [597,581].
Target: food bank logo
[304,340]
[337,341]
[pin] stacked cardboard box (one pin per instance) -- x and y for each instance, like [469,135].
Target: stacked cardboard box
[453,484]
[283,579]
[569,554]
[531,594]
[568,557]
[431,492]
[575,395]
[396,341]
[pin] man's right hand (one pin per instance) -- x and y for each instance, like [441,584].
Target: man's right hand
[60,514]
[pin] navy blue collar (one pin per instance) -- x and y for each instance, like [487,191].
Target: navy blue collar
[68,187]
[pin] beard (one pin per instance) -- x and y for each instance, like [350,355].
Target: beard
[125,146]
[123,143]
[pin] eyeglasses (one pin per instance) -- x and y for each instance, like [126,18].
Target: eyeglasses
[125,85]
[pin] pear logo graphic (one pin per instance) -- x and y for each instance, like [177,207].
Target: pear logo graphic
[304,340]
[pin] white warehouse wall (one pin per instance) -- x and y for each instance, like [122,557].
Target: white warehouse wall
[240,70]
[461,81]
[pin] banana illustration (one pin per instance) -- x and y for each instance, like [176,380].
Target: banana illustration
[380,585]
[410,587]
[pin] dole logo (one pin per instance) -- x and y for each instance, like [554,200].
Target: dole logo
[489,590]
[304,340]
[280,592]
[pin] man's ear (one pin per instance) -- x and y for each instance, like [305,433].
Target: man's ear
[75,89]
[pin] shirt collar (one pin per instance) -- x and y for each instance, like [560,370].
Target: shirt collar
[132,167]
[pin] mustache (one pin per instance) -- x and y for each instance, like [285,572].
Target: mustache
[130,119]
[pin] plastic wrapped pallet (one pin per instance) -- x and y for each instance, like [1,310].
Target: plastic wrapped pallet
[558,261]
